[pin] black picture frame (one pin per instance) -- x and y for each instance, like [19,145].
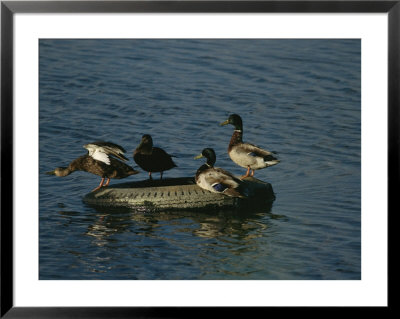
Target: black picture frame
[9,8]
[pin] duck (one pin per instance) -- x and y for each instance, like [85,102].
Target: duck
[249,156]
[104,159]
[218,180]
[152,159]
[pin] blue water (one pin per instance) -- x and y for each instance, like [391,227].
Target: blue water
[300,98]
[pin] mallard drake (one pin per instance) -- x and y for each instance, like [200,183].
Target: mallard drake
[244,154]
[152,159]
[99,160]
[216,179]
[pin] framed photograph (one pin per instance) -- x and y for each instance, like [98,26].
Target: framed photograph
[163,155]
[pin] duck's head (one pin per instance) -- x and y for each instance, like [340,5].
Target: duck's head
[209,154]
[234,120]
[60,171]
[146,141]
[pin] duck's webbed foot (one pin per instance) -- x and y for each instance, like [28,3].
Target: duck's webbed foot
[100,185]
[247,173]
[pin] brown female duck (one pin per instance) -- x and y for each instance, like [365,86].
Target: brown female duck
[102,159]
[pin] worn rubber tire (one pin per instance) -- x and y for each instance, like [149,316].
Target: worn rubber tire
[174,193]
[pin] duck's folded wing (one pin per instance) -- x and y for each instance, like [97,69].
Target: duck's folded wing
[255,150]
[220,176]
[224,182]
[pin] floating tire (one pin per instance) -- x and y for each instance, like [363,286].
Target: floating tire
[175,193]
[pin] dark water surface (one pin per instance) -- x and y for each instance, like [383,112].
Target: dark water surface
[300,98]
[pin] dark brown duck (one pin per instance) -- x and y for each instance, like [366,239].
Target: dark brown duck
[152,159]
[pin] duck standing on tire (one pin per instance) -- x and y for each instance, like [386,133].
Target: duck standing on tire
[244,154]
[152,159]
[103,159]
[217,180]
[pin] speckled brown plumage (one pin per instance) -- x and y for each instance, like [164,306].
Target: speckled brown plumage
[116,169]
[235,139]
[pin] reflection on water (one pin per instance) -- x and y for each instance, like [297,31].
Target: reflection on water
[225,234]
[108,221]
